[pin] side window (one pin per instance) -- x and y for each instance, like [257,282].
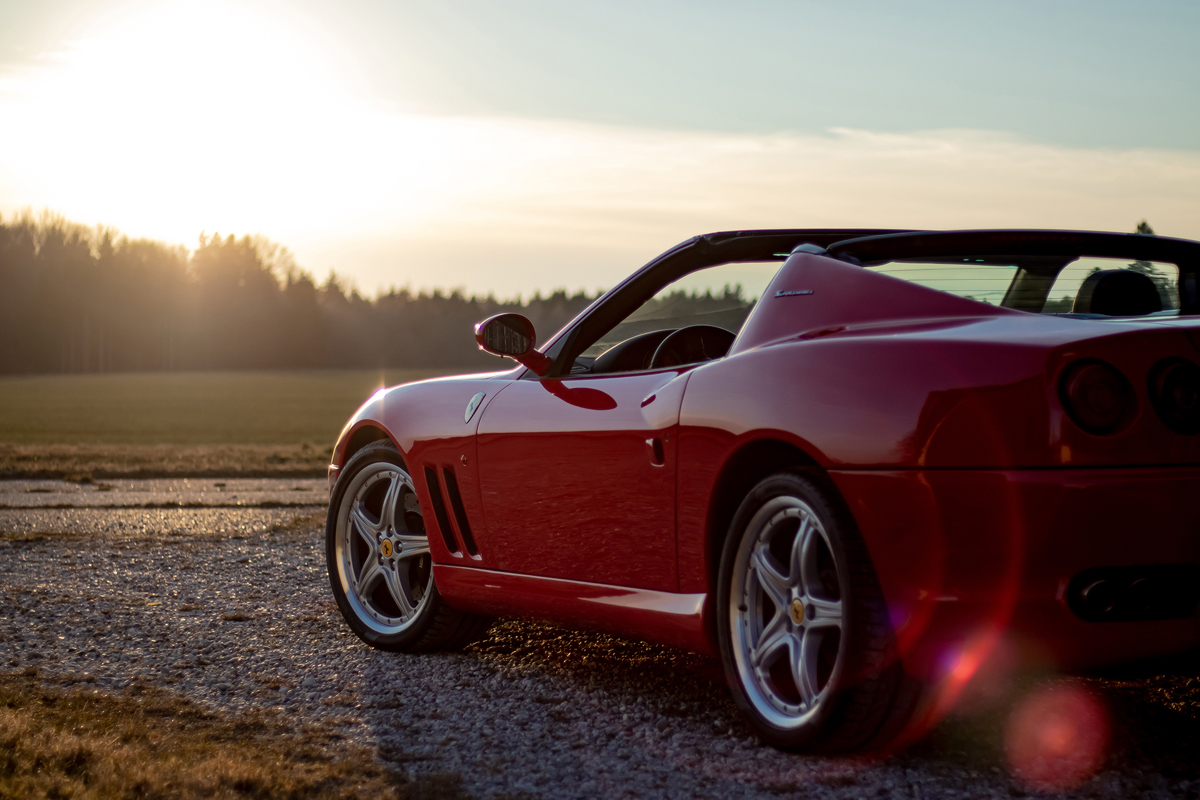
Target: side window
[1074,288]
[721,296]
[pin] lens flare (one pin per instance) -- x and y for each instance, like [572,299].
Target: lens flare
[1057,738]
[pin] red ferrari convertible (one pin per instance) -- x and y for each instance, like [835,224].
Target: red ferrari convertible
[855,465]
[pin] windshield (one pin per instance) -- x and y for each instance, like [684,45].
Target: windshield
[722,296]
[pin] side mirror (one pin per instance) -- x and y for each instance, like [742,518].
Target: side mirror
[511,335]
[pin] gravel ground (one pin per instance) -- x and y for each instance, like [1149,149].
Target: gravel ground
[231,605]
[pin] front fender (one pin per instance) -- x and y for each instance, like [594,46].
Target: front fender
[414,412]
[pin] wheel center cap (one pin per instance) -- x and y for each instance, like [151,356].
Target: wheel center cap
[797,611]
[386,548]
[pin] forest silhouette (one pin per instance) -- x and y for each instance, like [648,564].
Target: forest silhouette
[78,299]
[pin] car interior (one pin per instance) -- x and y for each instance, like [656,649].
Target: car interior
[690,321]
[1105,288]
[656,320]
[1118,293]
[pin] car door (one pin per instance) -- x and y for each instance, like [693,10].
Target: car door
[577,477]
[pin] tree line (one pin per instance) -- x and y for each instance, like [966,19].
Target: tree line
[79,299]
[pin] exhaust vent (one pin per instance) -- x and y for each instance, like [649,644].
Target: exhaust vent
[460,513]
[439,509]
[1126,594]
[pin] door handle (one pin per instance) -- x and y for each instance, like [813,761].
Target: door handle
[657,455]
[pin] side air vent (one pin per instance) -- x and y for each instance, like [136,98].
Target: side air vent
[460,513]
[439,509]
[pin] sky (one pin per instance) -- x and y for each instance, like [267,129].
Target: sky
[526,146]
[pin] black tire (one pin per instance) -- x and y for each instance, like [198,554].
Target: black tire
[804,682]
[376,612]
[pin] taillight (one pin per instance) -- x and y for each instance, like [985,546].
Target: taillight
[1175,392]
[1097,397]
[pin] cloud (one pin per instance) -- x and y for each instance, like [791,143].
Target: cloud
[596,202]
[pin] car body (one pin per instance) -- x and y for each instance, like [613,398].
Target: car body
[1002,479]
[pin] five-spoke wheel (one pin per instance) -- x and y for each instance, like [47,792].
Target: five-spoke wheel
[787,628]
[803,628]
[382,549]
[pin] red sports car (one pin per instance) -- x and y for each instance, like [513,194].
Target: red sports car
[853,464]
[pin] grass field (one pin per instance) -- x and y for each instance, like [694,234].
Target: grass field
[192,408]
[206,423]
[72,741]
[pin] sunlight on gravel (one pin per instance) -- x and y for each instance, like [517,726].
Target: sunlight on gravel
[232,607]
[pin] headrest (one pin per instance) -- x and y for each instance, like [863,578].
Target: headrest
[1117,293]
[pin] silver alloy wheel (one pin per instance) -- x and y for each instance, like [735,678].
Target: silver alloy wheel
[382,551]
[787,614]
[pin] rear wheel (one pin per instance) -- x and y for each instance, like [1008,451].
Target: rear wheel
[804,634]
[379,564]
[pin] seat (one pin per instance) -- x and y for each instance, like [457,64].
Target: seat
[1117,293]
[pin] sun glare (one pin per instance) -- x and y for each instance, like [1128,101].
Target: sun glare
[1057,737]
[170,114]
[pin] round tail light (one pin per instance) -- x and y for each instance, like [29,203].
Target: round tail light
[1175,391]
[1097,397]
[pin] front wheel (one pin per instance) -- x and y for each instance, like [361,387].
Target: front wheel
[380,569]
[803,629]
